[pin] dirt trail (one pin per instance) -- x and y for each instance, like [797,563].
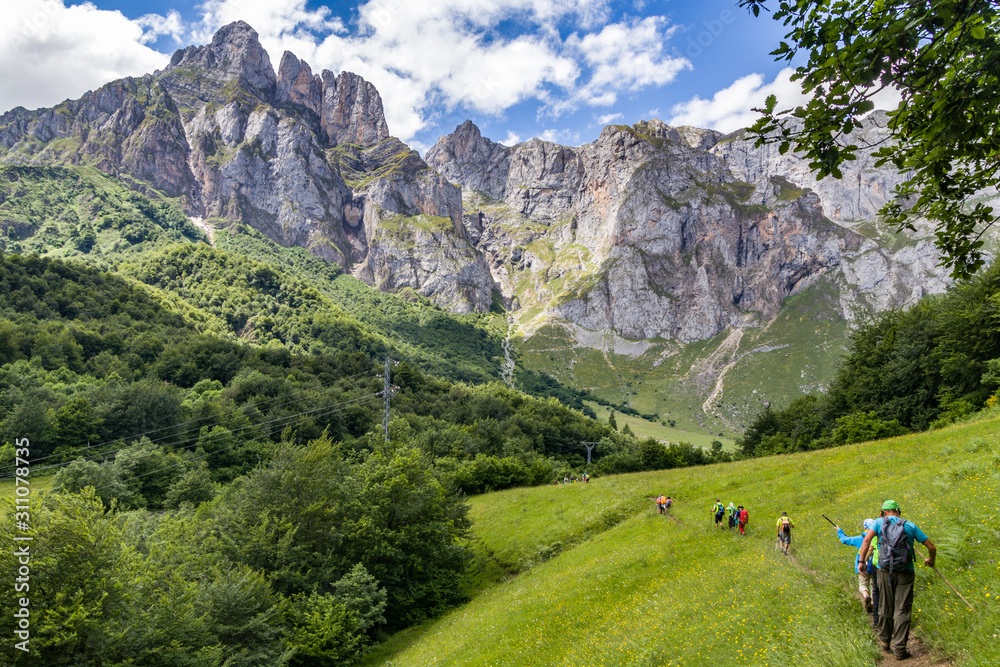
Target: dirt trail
[920,656]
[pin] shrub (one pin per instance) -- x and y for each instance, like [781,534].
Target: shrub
[864,426]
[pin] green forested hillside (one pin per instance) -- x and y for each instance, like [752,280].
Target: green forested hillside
[604,580]
[908,370]
[80,211]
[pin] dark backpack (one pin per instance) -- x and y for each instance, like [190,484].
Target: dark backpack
[893,550]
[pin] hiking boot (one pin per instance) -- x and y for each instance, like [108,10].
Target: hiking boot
[885,647]
[901,655]
[869,607]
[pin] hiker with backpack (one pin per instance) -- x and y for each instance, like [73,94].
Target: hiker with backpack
[742,518]
[865,577]
[661,504]
[731,513]
[895,575]
[784,527]
[718,510]
[668,504]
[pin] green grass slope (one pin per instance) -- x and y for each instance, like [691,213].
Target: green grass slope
[603,580]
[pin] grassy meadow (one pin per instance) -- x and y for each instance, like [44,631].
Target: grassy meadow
[591,575]
[649,429]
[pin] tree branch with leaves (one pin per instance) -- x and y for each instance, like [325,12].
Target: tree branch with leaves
[943,57]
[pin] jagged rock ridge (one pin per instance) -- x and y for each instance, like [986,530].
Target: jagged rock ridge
[306,159]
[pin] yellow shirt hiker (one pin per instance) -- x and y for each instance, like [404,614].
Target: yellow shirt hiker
[784,527]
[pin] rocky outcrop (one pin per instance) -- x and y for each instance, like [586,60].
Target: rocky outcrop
[297,85]
[653,231]
[466,157]
[857,196]
[131,126]
[351,110]
[235,54]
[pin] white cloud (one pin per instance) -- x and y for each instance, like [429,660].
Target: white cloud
[887,99]
[290,16]
[62,52]
[609,117]
[511,139]
[731,108]
[626,57]
[564,137]
[429,57]
[157,26]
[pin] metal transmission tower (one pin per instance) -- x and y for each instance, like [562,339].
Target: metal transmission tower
[386,393]
[590,447]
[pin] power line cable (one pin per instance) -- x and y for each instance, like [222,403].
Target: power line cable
[196,458]
[319,412]
[192,421]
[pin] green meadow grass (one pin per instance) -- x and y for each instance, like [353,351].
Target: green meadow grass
[589,574]
[38,485]
[648,429]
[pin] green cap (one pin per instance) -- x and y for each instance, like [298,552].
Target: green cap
[890,505]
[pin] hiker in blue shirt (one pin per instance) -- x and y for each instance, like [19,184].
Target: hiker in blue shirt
[895,575]
[864,578]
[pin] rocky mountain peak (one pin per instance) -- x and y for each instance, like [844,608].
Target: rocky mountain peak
[465,156]
[297,84]
[351,110]
[235,50]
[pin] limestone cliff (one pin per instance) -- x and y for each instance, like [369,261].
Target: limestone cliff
[653,231]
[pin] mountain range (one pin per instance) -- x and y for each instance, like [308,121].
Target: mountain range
[647,241]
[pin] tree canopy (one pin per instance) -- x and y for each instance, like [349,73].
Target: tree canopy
[942,57]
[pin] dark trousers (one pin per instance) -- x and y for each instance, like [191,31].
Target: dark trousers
[895,603]
[875,598]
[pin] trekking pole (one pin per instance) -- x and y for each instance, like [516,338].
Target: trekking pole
[828,519]
[950,586]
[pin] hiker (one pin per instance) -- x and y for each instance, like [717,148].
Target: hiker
[668,504]
[743,518]
[661,503]
[864,578]
[718,510]
[895,575]
[784,527]
[731,513]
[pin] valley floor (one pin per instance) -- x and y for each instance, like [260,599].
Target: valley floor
[590,574]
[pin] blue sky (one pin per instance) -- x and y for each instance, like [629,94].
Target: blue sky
[517,68]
